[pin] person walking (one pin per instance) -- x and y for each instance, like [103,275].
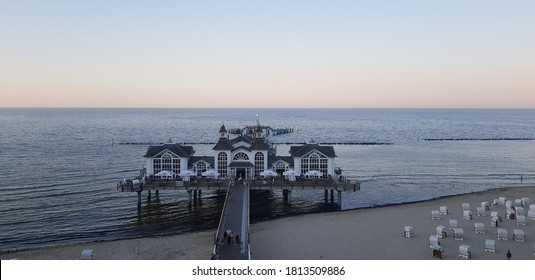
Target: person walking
[508,255]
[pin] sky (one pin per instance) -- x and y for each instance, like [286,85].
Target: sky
[267,54]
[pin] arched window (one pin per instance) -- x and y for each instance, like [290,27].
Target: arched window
[314,161]
[166,162]
[280,166]
[259,163]
[241,156]
[201,167]
[222,164]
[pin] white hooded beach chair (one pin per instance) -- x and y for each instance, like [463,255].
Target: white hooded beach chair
[509,205]
[467,214]
[495,202]
[464,252]
[486,205]
[458,234]
[441,231]
[490,245]
[409,232]
[501,234]
[496,214]
[435,215]
[525,201]
[494,221]
[518,235]
[453,223]
[518,202]
[87,254]
[510,214]
[438,252]
[520,211]
[531,214]
[479,228]
[501,200]
[520,220]
[433,241]
[532,207]
[443,210]
[481,211]
[465,206]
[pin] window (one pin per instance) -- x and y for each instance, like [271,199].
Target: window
[222,164]
[201,167]
[166,162]
[259,163]
[314,161]
[241,156]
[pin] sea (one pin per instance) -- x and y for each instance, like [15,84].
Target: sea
[60,166]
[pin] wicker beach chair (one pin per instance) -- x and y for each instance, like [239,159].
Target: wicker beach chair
[518,202]
[518,235]
[531,214]
[458,234]
[453,223]
[481,212]
[465,252]
[519,211]
[443,210]
[494,221]
[501,234]
[501,200]
[435,215]
[490,245]
[433,241]
[486,205]
[87,254]
[465,206]
[409,232]
[496,214]
[467,214]
[510,214]
[525,202]
[521,220]
[441,231]
[479,228]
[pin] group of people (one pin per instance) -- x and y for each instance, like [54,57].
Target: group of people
[229,236]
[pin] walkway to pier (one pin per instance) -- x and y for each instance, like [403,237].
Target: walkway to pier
[235,217]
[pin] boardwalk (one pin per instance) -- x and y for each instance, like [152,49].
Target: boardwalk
[235,217]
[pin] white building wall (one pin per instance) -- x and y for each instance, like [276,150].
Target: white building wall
[149,165]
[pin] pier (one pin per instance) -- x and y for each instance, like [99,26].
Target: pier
[235,213]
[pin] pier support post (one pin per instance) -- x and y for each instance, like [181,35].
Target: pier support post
[139,200]
[157,192]
[189,196]
[285,195]
[326,195]
[148,195]
[195,195]
[339,199]
[332,196]
[289,195]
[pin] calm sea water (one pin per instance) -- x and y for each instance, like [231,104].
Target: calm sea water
[60,166]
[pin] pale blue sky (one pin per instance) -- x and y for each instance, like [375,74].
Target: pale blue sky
[362,54]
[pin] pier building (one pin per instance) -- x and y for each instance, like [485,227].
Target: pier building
[247,162]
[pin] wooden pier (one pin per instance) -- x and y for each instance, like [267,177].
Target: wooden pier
[235,214]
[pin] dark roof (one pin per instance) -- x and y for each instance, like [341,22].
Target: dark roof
[223,145]
[287,159]
[222,129]
[208,159]
[240,164]
[299,151]
[260,144]
[177,149]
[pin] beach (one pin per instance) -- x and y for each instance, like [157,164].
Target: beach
[362,234]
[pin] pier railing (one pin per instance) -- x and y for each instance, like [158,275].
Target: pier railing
[218,235]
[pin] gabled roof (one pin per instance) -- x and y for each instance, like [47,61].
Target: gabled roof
[223,145]
[299,151]
[208,159]
[260,144]
[179,150]
[288,159]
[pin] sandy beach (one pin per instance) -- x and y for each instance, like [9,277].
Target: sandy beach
[363,234]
